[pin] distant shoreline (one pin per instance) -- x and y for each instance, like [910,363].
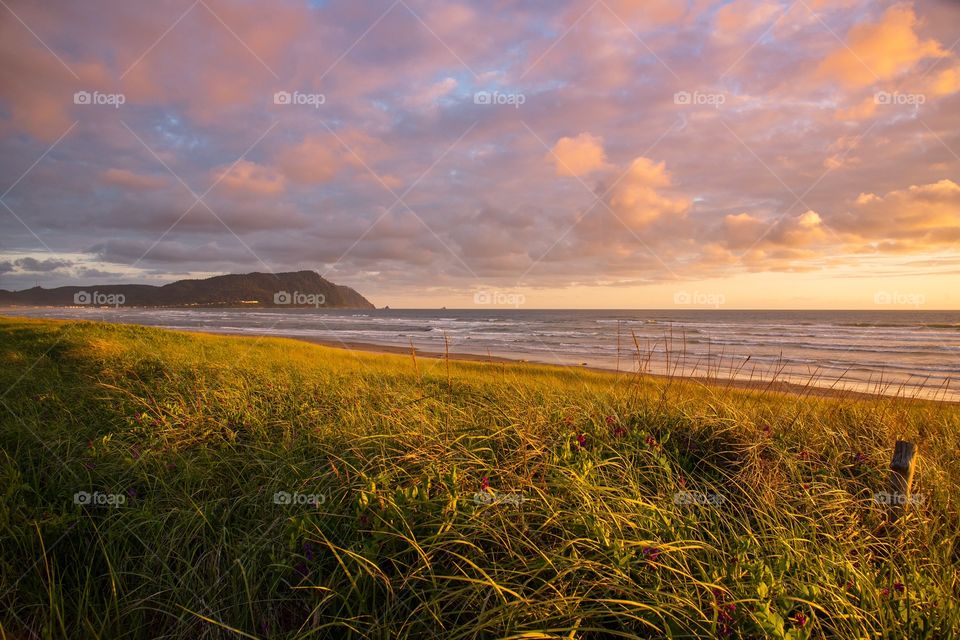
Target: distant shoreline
[788,382]
[782,386]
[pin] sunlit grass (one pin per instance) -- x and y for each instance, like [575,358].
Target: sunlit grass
[453,500]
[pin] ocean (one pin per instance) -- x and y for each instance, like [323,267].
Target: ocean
[912,353]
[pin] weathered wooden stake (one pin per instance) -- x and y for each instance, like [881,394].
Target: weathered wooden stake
[901,477]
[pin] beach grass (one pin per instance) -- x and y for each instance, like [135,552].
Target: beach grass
[159,484]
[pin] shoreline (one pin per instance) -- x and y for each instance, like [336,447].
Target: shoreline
[807,389]
[784,387]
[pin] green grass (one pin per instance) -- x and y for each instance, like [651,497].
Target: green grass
[569,541]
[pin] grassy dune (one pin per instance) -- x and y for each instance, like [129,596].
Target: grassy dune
[241,488]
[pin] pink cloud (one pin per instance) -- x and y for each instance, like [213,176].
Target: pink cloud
[130,180]
[249,177]
[315,160]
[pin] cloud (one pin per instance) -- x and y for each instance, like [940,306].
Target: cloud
[944,83]
[249,177]
[741,18]
[428,97]
[127,251]
[647,13]
[578,156]
[920,216]
[842,152]
[130,180]
[32,265]
[865,108]
[315,160]
[637,197]
[742,230]
[878,51]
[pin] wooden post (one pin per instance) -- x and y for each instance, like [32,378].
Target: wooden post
[901,476]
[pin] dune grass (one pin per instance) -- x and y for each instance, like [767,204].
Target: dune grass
[268,488]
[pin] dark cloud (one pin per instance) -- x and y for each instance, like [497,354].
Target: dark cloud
[41,266]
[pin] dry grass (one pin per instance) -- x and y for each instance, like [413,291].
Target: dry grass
[454,500]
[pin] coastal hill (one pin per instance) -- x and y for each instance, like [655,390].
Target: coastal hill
[291,289]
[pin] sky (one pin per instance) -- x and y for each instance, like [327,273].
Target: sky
[536,153]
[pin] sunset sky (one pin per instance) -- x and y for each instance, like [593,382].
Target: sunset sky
[607,153]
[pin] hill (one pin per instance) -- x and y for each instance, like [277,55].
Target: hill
[291,289]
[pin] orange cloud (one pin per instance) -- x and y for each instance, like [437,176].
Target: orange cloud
[926,214]
[578,156]
[636,198]
[879,51]
[861,110]
[944,83]
[747,232]
[842,151]
[742,230]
